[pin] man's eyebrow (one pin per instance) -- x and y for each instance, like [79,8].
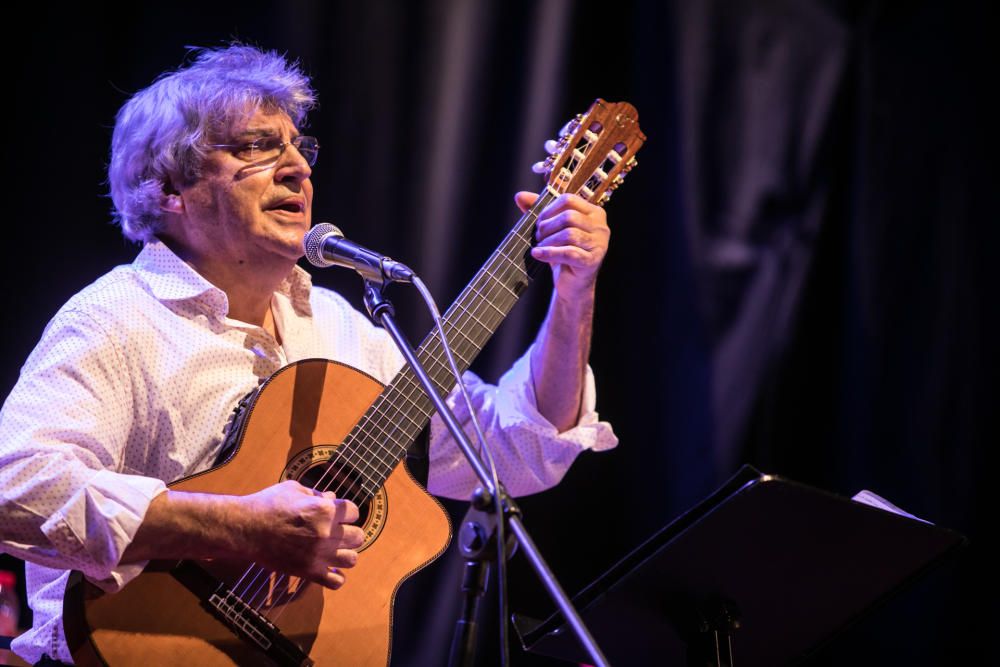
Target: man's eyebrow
[252,133]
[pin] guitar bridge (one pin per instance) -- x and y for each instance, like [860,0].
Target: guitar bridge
[245,620]
[246,623]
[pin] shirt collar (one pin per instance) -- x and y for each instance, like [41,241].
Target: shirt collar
[297,286]
[172,279]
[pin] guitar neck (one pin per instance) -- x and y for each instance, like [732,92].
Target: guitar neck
[484,303]
[402,411]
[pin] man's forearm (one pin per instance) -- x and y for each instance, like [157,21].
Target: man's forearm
[572,237]
[189,525]
[560,357]
[286,527]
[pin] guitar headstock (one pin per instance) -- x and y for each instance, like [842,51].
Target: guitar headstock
[594,152]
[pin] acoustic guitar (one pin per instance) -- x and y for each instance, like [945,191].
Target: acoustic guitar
[332,427]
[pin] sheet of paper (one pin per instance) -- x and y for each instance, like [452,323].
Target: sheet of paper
[874,500]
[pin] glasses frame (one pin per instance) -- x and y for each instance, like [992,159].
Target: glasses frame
[282,145]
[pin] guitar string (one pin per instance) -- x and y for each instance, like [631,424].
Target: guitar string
[347,448]
[520,272]
[407,387]
[494,291]
[483,298]
[347,451]
[405,392]
[518,237]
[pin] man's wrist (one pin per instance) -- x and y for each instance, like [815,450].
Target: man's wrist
[577,299]
[180,524]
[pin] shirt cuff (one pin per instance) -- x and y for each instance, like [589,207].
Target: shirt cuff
[110,512]
[518,405]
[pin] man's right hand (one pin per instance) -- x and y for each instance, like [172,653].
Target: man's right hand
[303,532]
[287,528]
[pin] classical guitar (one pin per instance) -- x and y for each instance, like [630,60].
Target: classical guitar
[330,426]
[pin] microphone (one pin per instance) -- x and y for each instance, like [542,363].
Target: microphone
[325,246]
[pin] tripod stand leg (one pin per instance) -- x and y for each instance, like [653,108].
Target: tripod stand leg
[463,641]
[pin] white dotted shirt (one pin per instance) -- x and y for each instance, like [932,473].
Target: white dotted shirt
[132,384]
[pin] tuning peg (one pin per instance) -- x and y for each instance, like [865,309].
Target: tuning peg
[617,180]
[603,199]
[630,165]
[570,127]
[552,146]
[545,166]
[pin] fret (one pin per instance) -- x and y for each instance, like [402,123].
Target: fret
[413,421]
[390,432]
[489,302]
[364,438]
[450,330]
[376,466]
[472,319]
[501,302]
[364,464]
[498,281]
[367,454]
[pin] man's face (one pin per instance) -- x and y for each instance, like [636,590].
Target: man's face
[246,212]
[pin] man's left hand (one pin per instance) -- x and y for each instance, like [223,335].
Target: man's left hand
[573,239]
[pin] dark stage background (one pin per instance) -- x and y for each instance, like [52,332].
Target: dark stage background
[799,274]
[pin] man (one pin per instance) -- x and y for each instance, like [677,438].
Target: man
[133,379]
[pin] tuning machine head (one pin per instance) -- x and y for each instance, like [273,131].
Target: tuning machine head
[569,128]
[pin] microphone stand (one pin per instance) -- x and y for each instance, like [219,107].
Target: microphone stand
[381,310]
[477,541]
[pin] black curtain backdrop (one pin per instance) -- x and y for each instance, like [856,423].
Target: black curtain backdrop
[799,275]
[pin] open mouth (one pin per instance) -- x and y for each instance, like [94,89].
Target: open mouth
[289,206]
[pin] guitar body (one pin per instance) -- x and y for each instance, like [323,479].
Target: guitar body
[294,425]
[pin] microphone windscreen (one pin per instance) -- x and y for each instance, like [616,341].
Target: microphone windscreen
[312,243]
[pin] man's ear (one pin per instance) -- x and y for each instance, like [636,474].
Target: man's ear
[171,201]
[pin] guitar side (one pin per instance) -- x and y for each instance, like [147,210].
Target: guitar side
[307,407]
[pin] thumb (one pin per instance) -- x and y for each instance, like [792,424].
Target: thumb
[524,200]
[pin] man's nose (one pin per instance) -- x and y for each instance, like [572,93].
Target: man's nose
[292,165]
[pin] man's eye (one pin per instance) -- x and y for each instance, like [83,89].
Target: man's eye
[267,144]
[247,151]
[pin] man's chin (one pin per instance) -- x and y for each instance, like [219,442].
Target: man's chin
[294,233]
[285,248]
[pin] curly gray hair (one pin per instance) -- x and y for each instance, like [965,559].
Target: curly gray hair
[161,132]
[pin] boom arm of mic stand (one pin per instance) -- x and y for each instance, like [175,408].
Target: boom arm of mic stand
[381,310]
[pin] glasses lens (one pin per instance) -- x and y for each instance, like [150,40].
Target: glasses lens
[265,149]
[309,147]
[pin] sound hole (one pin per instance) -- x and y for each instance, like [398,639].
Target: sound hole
[344,480]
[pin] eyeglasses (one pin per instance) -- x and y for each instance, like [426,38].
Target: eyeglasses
[268,149]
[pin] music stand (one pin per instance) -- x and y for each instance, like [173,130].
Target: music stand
[764,570]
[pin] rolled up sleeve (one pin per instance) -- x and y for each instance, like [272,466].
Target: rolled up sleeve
[530,453]
[64,500]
